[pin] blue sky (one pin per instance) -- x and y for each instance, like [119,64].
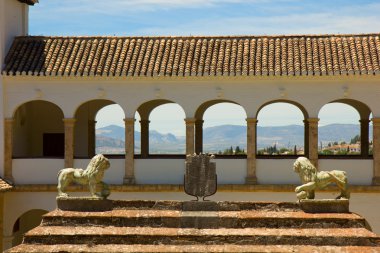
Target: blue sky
[198,17]
[209,17]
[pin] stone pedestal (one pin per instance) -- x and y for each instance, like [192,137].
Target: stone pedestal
[83,204]
[200,206]
[325,205]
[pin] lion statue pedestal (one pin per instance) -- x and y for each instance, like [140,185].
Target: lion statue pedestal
[91,176]
[312,180]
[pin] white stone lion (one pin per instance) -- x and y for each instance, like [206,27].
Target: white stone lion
[92,176]
[313,179]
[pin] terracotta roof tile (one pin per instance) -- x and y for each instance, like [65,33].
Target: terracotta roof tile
[194,56]
[4,186]
[373,54]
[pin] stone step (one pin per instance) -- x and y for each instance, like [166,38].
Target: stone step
[72,204]
[203,219]
[111,248]
[94,235]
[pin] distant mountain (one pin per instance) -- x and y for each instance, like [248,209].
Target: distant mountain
[113,138]
[222,137]
[339,132]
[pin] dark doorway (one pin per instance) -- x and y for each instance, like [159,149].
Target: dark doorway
[54,144]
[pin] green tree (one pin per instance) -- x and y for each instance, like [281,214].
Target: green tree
[355,140]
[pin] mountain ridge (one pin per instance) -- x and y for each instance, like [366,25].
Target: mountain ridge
[220,137]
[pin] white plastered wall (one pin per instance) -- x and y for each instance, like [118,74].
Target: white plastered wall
[13,22]
[311,93]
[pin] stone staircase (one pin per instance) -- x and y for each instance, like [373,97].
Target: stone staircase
[173,226]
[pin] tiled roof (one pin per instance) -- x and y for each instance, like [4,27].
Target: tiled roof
[4,186]
[195,56]
[29,2]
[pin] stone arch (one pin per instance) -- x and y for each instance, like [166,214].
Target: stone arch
[26,222]
[145,110]
[302,108]
[199,115]
[38,130]
[364,113]
[85,124]
[293,148]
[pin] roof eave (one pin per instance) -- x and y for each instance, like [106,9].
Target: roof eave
[28,2]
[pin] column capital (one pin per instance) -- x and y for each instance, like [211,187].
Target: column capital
[190,120]
[8,120]
[129,121]
[251,120]
[144,121]
[198,121]
[364,120]
[311,120]
[69,120]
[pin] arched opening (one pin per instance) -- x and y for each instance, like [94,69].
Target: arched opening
[162,128]
[222,126]
[99,128]
[344,129]
[167,130]
[280,129]
[26,222]
[38,130]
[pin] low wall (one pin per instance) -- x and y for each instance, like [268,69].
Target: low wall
[171,171]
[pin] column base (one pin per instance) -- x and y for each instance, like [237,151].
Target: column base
[251,180]
[129,180]
[376,181]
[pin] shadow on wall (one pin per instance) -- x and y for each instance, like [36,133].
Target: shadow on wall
[26,222]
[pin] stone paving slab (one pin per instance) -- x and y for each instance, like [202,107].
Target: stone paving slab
[117,248]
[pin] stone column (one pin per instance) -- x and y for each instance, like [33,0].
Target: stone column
[69,124]
[129,176]
[190,131]
[91,138]
[376,151]
[8,149]
[364,132]
[199,136]
[311,141]
[251,151]
[144,125]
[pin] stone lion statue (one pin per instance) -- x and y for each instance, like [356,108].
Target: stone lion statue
[313,179]
[92,176]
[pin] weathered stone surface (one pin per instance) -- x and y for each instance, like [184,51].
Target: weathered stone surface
[84,204]
[325,205]
[200,206]
[174,226]
[200,176]
[60,248]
